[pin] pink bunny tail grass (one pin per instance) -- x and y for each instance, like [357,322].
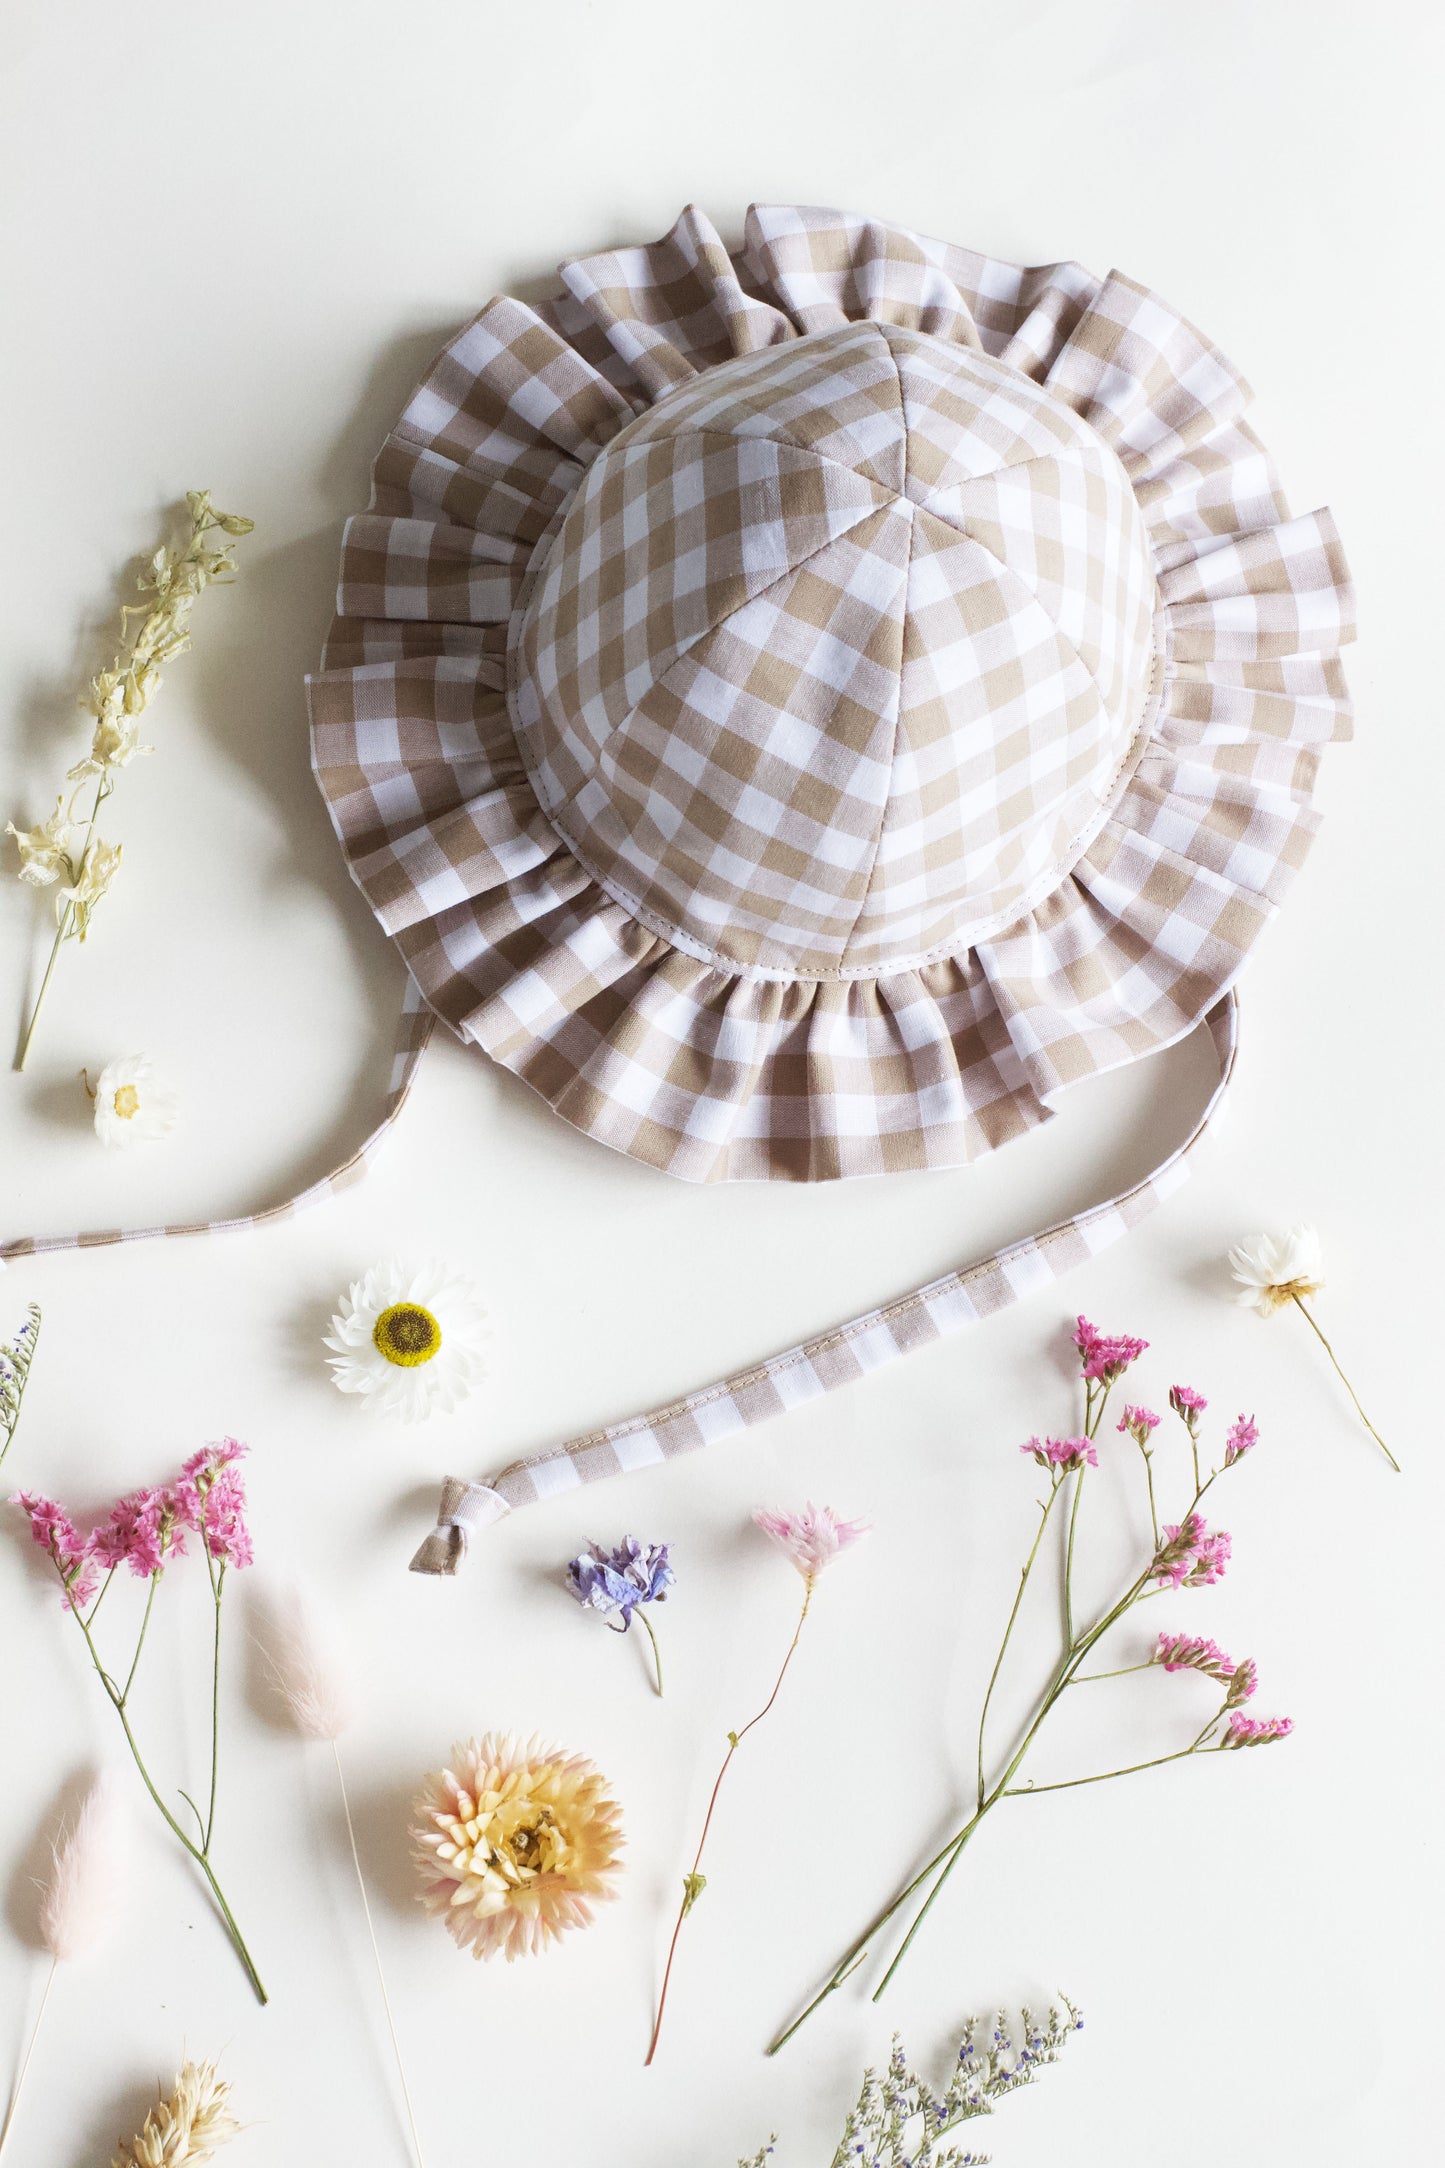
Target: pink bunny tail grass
[86,1888]
[303,1653]
[81,1901]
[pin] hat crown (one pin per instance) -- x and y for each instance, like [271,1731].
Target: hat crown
[841,655]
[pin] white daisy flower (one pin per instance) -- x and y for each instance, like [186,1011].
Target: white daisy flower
[133,1102]
[1275,1269]
[409,1341]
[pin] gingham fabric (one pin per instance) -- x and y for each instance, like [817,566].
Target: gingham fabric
[819,1366]
[413,1032]
[802,709]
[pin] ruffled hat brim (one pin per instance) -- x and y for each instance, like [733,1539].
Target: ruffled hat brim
[713,1075]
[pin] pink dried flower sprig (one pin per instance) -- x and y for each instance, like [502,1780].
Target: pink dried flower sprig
[1256,1730]
[1187,1405]
[1062,1456]
[1192,1555]
[1183,1554]
[1191,1652]
[1140,1423]
[144,1532]
[811,1538]
[1104,1357]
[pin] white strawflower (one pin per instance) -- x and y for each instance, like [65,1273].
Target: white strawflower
[133,1102]
[409,1341]
[1275,1269]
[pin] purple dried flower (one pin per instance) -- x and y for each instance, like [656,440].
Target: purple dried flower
[1241,1438]
[1139,1422]
[616,1582]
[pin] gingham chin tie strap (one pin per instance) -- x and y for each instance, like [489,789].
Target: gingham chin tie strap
[821,1365]
[414,1030]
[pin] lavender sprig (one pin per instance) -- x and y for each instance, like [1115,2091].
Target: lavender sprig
[16,1357]
[899,2121]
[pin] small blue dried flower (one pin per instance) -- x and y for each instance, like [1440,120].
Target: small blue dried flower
[617,1583]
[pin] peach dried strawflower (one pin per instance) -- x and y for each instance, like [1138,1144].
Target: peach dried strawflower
[515,1842]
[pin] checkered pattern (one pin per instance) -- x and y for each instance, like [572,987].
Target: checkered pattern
[836,1358]
[859,443]
[802,708]
[413,1032]
[839,655]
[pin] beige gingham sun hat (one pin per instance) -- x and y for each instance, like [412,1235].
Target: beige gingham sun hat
[801,709]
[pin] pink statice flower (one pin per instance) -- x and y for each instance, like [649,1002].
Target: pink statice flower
[1243,1683]
[1191,1652]
[812,1536]
[1256,1730]
[210,1497]
[1212,1554]
[1103,1357]
[51,1526]
[1176,1554]
[1187,1405]
[1140,1424]
[1242,1437]
[141,1532]
[1063,1454]
[54,1530]
[1191,1555]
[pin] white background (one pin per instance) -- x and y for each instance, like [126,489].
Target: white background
[235,238]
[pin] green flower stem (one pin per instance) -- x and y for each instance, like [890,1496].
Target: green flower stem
[656,1651]
[1069,1561]
[62,931]
[198,1853]
[944,1861]
[694,1883]
[218,1582]
[1153,1510]
[1308,1315]
[140,1638]
[1008,1635]
[1105,1776]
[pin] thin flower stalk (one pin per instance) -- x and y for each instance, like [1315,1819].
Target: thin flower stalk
[620,1584]
[146,1532]
[16,1356]
[173,581]
[1275,1272]
[1187,1554]
[320,1699]
[811,1539]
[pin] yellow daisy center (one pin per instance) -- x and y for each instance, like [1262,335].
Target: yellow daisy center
[406,1335]
[127,1102]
